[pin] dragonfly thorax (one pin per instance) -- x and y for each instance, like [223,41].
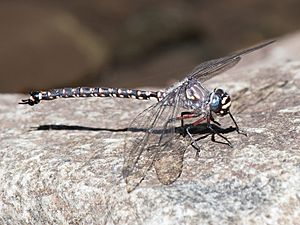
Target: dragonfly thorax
[219,102]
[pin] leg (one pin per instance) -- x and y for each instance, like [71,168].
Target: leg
[186,115]
[213,120]
[220,142]
[194,141]
[212,139]
[237,127]
[197,122]
[214,132]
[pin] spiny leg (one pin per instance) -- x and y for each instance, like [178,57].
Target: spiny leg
[197,122]
[213,120]
[212,138]
[196,146]
[210,127]
[215,132]
[221,142]
[185,115]
[194,141]
[237,127]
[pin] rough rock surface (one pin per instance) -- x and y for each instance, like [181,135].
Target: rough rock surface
[73,176]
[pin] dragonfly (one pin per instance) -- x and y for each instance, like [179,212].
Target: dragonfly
[161,141]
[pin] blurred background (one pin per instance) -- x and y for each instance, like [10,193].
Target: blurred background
[46,44]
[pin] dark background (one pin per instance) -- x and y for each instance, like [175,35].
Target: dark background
[46,44]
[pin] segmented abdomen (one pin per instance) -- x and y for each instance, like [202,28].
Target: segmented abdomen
[37,96]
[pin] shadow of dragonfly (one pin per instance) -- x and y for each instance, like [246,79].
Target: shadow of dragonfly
[168,164]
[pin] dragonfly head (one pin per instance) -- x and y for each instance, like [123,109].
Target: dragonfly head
[219,102]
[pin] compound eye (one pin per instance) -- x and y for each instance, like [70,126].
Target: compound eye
[215,103]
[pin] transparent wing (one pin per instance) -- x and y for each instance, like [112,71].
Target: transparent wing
[209,69]
[169,162]
[157,129]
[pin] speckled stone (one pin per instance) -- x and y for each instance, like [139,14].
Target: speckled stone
[73,176]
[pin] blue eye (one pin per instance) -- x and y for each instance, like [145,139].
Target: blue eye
[215,103]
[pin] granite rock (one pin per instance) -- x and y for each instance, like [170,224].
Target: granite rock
[71,174]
